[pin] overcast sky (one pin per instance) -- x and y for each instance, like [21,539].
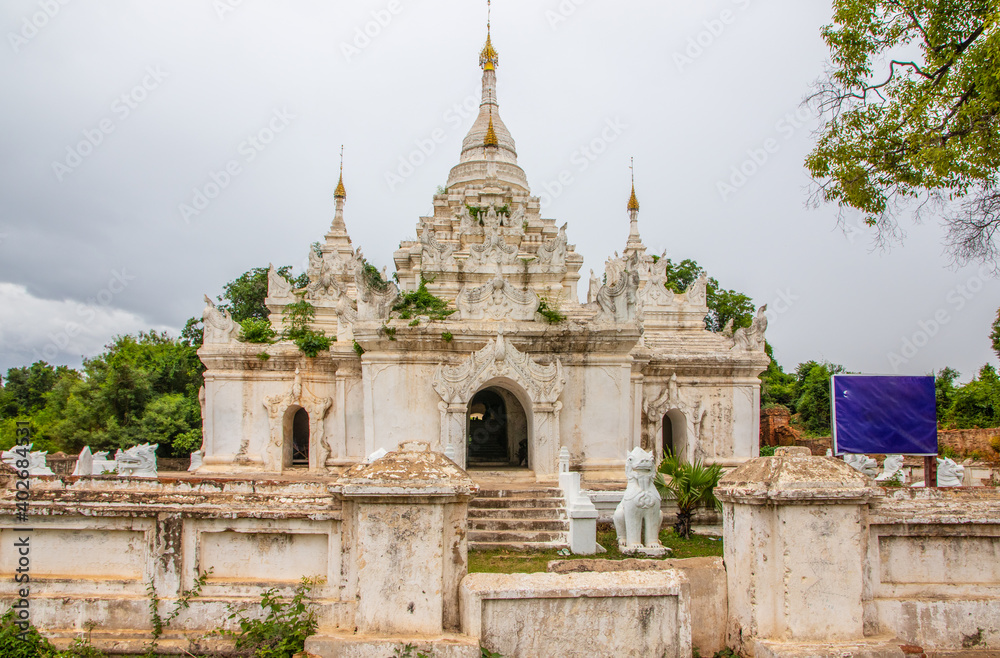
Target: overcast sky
[117,113]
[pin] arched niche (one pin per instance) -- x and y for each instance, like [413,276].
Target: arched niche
[497,429]
[534,385]
[674,435]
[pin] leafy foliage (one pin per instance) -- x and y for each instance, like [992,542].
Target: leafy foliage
[691,485]
[812,381]
[15,645]
[995,335]
[310,342]
[161,623]
[255,330]
[283,629]
[421,302]
[925,127]
[140,389]
[776,386]
[977,404]
[244,297]
[723,305]
[551,315]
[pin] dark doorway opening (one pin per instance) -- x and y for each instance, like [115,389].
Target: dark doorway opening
[668,437]
[300,438]
[488,441]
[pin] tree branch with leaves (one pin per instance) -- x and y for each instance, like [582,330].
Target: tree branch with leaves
[911,111]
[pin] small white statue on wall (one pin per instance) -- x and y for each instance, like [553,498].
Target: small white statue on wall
[137,461]
[892,469]
[640,507]
[862,463]
[36,461]
[949,473]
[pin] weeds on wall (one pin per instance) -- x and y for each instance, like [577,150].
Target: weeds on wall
[283,629]
[421,302]
[550,314]
[161,623]
[298,317]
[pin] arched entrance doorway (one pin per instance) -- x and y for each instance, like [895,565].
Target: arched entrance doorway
[668,437]
[675,434]
[496,430]
[300,438]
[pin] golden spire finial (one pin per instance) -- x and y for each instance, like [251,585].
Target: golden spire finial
[491,134]
[341,192]
[488,58]
[633,203]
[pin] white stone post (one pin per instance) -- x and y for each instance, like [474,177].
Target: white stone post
[407,516]
[795,544]
[580,510]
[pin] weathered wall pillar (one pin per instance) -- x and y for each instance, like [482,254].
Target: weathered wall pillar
[406,515]
[795,543]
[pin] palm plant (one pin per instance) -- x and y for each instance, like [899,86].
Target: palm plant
[690,485]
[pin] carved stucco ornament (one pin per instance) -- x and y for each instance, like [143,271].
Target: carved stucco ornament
[494,250]
[277,408]
[375,299]
[433,252]
[497,300]
[751,339]
[500,359]
[654,293]
[618,300]
[220,328]
[551,256]
[656,407]
[279,288]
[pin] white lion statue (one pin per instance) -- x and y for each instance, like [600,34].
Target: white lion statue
[949,473]
[640,507]
[137,461]
[36,461]
[892,469]
[862,463]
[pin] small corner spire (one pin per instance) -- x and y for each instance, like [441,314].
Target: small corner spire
[488,58]
[633,202]
[341,191]
[491,134]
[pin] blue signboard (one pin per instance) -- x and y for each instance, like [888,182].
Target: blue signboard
[884,415]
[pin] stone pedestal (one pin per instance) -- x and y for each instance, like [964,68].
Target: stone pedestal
[405,519]
[795,547]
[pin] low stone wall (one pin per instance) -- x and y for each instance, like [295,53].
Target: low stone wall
[628,613]
[822,562]
[966,442]
[707,578]
[96,544]
[61,464]
[933,567]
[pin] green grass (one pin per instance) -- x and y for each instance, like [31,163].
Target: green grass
[506,561]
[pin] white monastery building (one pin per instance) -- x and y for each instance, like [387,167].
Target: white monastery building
[514,368]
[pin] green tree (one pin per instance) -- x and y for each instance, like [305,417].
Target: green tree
[911,109]
[977,404]
[243,298]
[995,335]
[813,400]
[776,386]
[690,485]
[25,388]
[174,422]
[944,391]
[723,305]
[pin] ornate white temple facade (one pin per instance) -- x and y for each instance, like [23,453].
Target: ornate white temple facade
[491,381]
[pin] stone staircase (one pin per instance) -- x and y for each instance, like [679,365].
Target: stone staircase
[520,519]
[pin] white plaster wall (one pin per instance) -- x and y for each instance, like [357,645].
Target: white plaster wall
[403,404]
[628,613]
